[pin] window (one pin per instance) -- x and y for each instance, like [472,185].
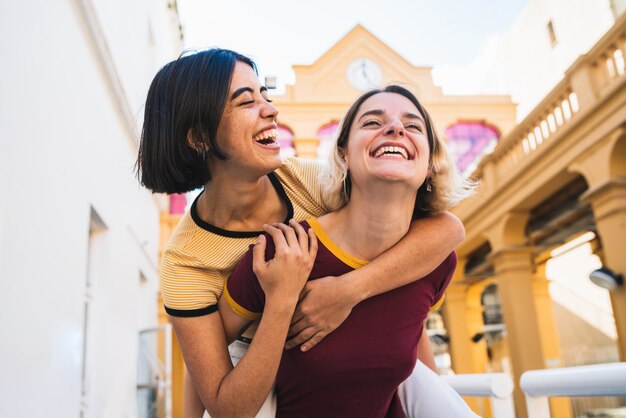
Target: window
[469,141]
[552,34]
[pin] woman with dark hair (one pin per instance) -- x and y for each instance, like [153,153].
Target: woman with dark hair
[209,123]
[388,168]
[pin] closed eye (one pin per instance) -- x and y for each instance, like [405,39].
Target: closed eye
[372,122]
[415,126]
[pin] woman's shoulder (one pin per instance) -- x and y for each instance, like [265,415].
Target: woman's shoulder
[301,180]
[447,266]
[303,170]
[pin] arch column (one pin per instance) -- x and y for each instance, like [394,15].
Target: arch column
[464,319]
[513,264]
[550,344]
[608,202]
[513,267]
[462,312]
[306,147]
[605,172]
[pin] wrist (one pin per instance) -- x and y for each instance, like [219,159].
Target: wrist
[354,288]
[280,304]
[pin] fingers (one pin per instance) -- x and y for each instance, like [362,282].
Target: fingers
[307,339]
[313,341]
[258,254]
[312,244]
[290,235]
[277,235]
[303,239]
[297,327]
[301,337]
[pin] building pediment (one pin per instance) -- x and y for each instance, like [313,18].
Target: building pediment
[356,63]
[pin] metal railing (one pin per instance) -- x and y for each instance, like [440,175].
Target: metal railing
[498,387]
[597,380]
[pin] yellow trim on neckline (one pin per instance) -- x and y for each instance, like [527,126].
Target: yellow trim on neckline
[346,258]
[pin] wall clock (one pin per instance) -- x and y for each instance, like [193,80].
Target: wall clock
[364,74]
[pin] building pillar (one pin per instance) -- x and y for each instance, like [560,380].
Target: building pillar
[608,202]
[550,345]
[306,147]
[604,170]
[513,267]
[463,318]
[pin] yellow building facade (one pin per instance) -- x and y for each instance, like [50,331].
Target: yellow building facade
[360,61]
[559,173]
[555,175]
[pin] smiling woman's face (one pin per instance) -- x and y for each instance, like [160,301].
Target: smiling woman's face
[247,131]
[388,141]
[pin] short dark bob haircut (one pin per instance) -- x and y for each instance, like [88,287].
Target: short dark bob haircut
[186,95]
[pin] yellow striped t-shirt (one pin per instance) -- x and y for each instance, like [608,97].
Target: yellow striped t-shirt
[199,257]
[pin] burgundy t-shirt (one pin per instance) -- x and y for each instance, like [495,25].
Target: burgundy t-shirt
[356,370]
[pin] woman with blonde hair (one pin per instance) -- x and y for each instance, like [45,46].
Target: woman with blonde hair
[388,168]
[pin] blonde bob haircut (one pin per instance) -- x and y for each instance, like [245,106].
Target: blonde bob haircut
[443,188]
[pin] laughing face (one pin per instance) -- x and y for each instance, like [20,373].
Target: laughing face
[388,141]
[247,131]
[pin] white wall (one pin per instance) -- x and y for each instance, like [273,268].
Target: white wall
[522,62]
[65,147]
[527,65]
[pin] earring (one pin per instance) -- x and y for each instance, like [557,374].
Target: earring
[429,188]
[201,150]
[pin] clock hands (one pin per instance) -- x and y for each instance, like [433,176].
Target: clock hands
[366,74]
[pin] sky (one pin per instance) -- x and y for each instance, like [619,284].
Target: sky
[277,34]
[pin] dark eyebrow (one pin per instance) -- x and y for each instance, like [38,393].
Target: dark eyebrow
[376,112]
[379,112]
[414,116]
[243,90]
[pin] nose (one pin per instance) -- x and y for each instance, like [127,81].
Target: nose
[269,111]
[396,127]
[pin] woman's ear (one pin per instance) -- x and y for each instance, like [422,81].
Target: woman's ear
[342,156]
[199,147]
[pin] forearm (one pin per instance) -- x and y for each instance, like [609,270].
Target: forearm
[244,389]
[426,245]
[223,390]
[192,404]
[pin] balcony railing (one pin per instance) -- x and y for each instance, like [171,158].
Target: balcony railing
[498,387]
[589,81]
[598,380]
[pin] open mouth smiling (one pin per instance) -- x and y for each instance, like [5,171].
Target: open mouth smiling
[392,150]
[267,137]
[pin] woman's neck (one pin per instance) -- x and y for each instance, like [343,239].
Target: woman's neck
[373,221]
[237,204]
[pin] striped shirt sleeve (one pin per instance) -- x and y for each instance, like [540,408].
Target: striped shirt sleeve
[305,175]
[188,288]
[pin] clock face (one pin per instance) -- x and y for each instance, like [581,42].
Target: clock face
[364,74]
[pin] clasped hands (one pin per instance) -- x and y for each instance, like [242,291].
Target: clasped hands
[323,304]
